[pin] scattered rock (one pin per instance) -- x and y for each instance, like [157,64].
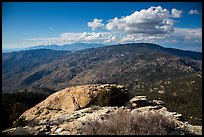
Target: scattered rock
[158,102]
[142,101]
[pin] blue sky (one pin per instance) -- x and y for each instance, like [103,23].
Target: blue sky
[170,24]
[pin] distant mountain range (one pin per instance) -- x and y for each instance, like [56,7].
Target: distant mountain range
[69,47]
[46,67]
[143,68]
[8,50]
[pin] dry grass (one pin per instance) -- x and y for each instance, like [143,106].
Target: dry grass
[124,123]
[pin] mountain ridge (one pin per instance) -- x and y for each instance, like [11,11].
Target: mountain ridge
[144,69]
[68,47]
[36,59]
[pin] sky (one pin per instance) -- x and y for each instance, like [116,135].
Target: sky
[169,24]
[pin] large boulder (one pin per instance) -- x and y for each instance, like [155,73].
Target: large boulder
[68,100]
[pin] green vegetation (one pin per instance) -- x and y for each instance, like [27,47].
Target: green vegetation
[14,104]
[20,122]
[114,97]
[182,95]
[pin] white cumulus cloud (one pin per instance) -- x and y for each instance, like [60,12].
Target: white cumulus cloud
[191,12]
[99,37]
[95,24]
[153,21]
[176,13]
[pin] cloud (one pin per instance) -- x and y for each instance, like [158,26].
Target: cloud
[140,38]
[180,35]
[99,37]
[176,13]
[188,35]
[68,38]
[95,24]
[191,12]
[65,38]
[153,21]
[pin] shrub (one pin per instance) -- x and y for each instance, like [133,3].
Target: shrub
[14,104]
[20,122]
[114,97]
[123,122]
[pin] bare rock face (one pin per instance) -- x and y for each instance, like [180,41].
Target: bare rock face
[71,123]
[66,101]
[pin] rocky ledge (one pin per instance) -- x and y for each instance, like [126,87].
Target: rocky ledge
[66,112]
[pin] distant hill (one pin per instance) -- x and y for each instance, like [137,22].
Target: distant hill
[172,75]
[8,50]
[69,47]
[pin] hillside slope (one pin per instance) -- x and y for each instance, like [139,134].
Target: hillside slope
[173,75]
